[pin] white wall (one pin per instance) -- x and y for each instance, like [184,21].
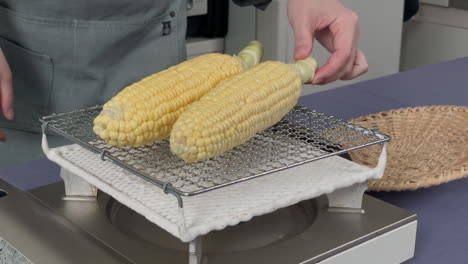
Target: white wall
[436,34]
[380,20]
[241,28]
[381,23]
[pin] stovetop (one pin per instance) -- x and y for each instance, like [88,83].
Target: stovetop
[49,229]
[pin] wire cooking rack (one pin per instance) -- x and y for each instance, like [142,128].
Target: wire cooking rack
[303,136]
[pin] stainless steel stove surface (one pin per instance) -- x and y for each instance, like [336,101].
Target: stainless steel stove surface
[41,227]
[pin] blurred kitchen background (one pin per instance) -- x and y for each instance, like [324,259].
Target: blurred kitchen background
[397,35]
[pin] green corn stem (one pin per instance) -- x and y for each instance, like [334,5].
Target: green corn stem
[305,69]
[251,55]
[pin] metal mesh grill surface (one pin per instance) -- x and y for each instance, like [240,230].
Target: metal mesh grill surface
[302,136]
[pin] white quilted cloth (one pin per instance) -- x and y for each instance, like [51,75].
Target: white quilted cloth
[216,209]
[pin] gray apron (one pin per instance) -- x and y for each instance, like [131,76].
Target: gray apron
[66,55]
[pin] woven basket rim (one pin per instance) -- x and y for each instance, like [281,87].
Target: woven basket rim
[393,182]
[404,109]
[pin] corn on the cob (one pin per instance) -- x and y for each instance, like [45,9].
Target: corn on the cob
[145,111]
[238,108]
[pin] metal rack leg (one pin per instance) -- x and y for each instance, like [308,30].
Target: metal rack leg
[76,188]
[195,251]
[347,199]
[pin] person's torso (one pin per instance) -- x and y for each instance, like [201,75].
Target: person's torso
[67,55]
[88,9]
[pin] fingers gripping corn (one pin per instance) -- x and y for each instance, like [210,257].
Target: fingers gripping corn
[238,108]
[145,111]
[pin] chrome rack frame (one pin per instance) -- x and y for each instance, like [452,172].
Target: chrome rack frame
[301,137]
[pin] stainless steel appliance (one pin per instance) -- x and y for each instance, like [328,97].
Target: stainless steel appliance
[41,226]
[197,7]
[107,207]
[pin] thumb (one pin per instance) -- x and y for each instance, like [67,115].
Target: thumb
[304,41]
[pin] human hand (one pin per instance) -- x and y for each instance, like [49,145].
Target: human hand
[6,92]
[337,29]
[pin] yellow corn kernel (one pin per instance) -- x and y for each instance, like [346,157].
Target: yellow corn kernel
[238,108]
[154,103]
